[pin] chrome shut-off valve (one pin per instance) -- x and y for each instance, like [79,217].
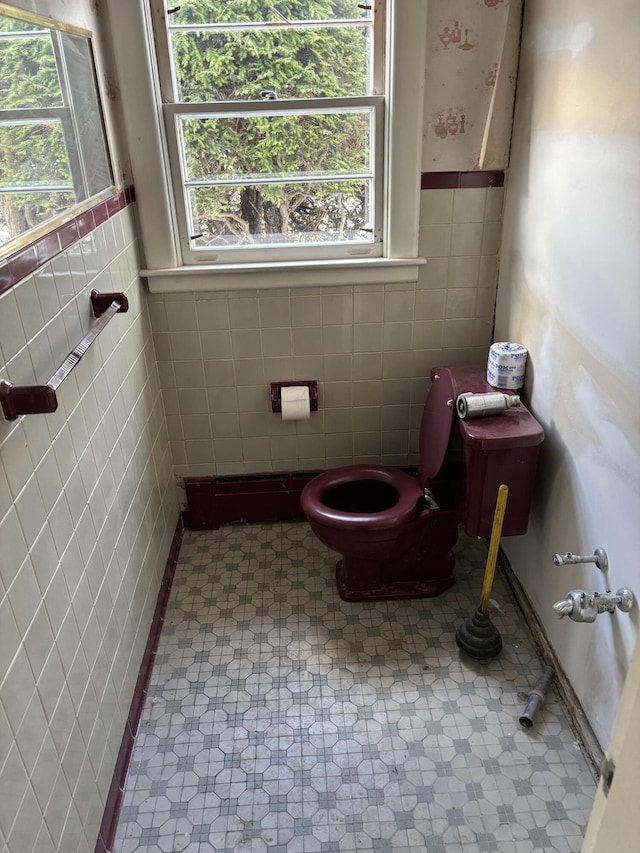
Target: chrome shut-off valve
[599,557]
[584,606]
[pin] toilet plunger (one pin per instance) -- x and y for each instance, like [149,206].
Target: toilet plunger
[479,637]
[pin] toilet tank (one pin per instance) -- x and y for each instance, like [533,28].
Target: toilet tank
[497,449]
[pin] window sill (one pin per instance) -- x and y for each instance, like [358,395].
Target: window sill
[264,276]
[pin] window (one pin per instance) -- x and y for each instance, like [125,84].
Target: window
[53,154]
[177,190]
[274,120]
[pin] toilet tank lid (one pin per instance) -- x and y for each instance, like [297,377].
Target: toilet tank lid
[514,428]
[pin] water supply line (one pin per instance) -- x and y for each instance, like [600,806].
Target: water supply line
[536,698]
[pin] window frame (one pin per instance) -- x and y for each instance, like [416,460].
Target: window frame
[65,115]
[260,253]
[405,52]
[173,108]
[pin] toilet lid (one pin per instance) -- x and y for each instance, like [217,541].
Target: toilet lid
[436,425]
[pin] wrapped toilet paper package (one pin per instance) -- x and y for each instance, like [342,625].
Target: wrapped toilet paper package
[506,365]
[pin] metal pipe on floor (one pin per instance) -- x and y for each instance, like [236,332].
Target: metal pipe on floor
[536,698]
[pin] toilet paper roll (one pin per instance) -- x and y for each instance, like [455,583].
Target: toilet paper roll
[296,402]
[506,365]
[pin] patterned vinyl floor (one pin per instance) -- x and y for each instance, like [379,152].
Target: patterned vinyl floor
[283,719]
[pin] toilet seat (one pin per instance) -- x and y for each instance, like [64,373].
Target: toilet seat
[401,511]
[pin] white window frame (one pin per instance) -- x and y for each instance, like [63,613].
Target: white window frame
[149,145]
[258,253]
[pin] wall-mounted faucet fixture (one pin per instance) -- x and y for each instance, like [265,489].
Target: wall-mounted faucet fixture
[599,557]
[584,606]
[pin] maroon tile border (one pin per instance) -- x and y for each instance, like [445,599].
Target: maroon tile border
[113,805]
[27,260]
[213,501]
[461,180]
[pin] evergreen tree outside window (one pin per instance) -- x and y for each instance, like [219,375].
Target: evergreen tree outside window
[274,115]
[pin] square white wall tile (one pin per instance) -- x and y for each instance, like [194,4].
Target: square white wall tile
[493,205]
[466,238]
[306,311]
[469,205]
[435,241]
[434,274]
[243,313]
[12,333]
[436,207]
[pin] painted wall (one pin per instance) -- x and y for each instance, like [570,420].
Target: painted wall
[87,513]
[570,265]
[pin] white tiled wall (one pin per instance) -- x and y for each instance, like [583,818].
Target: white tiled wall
[87,513]
[370,347]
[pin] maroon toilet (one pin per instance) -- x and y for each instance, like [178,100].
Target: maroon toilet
[395,532]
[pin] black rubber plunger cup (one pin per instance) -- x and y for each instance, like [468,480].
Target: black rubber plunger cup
[478,637]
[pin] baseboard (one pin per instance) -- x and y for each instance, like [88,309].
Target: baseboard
[212,501]
[577,717]
[113,805]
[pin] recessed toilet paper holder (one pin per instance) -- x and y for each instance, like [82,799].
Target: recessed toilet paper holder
[276,388]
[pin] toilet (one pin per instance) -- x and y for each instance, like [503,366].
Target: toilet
[395,532]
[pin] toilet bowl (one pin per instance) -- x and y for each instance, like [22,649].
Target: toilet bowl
[395,531]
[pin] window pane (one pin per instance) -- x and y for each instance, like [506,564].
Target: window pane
[28,73]
[315,62]
[85,103]
[243,11]
[267,214]
[243,148]
[21,211]
[33,154]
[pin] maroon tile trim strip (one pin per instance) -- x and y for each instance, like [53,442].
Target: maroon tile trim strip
[28,259]
[461,180]
[213,501]
[113,805]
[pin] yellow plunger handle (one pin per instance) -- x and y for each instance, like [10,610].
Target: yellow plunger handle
[494,544]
